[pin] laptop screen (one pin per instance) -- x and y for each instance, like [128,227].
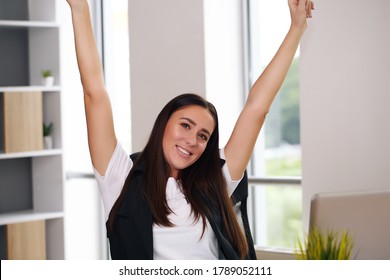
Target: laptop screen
[365,215]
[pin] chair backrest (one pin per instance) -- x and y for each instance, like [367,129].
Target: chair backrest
[365,215]
[240,197]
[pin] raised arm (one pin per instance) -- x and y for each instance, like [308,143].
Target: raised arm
[242,141]
[101,134]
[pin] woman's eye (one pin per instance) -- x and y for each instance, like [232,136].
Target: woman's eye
[203,137]
[185,125]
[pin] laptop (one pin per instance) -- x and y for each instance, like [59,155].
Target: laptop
[365,215]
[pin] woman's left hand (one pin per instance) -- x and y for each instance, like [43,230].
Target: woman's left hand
[300,10]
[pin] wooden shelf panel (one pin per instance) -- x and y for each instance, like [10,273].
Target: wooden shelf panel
[28,216]
[23,118]
[26,241]
[40,153]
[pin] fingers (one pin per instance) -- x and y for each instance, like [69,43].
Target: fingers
[309,7]
[305,5]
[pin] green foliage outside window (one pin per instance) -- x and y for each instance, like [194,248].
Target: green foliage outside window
[282,125]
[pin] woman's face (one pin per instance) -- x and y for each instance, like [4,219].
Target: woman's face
[186,135]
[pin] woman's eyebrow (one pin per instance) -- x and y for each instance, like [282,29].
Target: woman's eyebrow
[194,123]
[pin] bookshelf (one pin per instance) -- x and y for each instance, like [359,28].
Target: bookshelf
[31,181]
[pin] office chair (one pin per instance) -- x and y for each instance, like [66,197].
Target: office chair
[239,198]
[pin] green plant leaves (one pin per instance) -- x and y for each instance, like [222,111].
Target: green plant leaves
[47,128]
[329,246]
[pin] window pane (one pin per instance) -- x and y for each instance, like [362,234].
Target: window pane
[282,136]
[117,66]
[276,215]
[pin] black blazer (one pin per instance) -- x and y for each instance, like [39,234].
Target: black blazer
[133,236]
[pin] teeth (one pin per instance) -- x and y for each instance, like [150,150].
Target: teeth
[183,151]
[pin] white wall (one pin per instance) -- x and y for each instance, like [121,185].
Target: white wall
[224,60]
[181,46]
[166,58]
[345,98]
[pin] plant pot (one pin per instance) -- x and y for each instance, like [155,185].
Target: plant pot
[48,81]
[48,142]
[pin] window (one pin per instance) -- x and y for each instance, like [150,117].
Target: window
[117,66]
[276,194]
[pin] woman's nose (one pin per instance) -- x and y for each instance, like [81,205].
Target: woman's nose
[191,139]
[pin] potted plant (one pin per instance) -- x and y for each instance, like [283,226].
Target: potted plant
[47,78]
[331,245]
[47,138]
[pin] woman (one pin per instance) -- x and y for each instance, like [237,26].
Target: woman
[171,201]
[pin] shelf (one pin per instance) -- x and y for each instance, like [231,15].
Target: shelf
[30,89]
[28,24]
[31,179]
[28,216]
[40,153]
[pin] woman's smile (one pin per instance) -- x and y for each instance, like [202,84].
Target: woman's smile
[183,151]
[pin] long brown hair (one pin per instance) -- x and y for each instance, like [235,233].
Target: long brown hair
[203,177]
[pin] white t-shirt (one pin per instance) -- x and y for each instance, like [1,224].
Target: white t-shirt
[179,242]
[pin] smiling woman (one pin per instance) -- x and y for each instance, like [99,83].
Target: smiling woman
[184,178]
[172,200]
